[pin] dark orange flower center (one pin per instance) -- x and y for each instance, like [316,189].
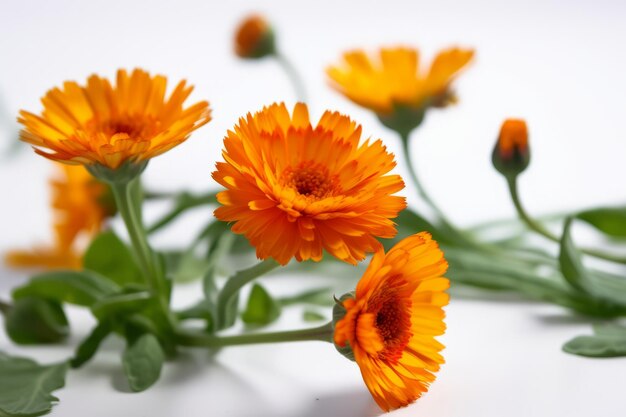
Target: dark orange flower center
[311,180]
[393,322]
[135,127]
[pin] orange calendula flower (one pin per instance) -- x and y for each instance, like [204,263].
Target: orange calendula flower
[81,206]
[393,84]
[511,155]
[294,189]
[389,324]
[254,38]
[100,124]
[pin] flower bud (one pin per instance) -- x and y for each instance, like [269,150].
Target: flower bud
[254,38]
[511,155]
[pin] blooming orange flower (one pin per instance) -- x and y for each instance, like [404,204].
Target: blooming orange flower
[254,38]
[108,126]
[81,206]
[395,79]
[294,189]
[391,321]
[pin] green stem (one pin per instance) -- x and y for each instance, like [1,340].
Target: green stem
[184,202]
[194,339]
[420,188]
[540,229]
[229,293]
[122,191]
[445,223]
[293,76]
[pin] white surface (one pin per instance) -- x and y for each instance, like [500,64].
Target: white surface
[560,64]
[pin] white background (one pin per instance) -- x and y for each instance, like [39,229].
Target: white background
[559,64]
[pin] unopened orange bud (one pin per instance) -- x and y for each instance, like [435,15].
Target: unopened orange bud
[511,154]
[513,138]
[254,38]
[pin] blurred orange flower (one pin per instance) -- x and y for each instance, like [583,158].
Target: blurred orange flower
[108,126]
[81,206]
[294,189]
[395,78]
[391,321]
[254,38]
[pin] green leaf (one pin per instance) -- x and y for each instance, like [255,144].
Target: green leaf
[317,296]
[610,221]
[597,346]
[142,362]
[88,348]
[75,287]
[570,261]
[261,309]
[122,304]
[26,387]
[312,315]
[34,320]
[610,330]
[228,299]
[109,256]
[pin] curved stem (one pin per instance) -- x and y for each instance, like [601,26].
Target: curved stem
[540,229]
[228,295]
[122,191]
[194,339]
[420,188]
[293,76]
[184,202]
[458,234]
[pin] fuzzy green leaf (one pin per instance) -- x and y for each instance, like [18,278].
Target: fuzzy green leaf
[142,362]
[109,256]
[34,320]
[570,261]
[610,221]
[261,309]
[122,304]
[599,346]
[83,288]
[26,387]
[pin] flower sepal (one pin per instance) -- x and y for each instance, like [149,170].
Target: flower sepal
[403,119]
[339,312]
[124,174]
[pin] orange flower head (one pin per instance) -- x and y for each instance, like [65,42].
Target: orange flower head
[254,38]
[394,86]
[511,155]
[294,189]
[81,207]
[390,322]
[102,125]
